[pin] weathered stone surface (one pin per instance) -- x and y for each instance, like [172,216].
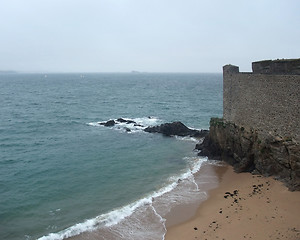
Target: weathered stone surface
[176,128]
[265,102]
[280,66]
[260,132]
[247,150]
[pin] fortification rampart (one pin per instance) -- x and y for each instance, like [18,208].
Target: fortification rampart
[267,102]
[260,129]
[284,66]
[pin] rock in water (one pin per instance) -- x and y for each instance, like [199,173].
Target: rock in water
[122,120]
[109,123]
[176,128]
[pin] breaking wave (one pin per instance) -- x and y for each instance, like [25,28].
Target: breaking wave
[179,189]
[130,125]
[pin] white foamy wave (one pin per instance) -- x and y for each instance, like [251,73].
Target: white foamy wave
[93,124]
[108,219]
[88,225]
[162,220]
[147,121]
[195,163]
[187,138]
[118,215]
[187,189]
[131,125]
[194,166]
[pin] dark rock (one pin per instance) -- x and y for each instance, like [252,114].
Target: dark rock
[248,151]
[130,121]
[200,134]
[176,128]
[122,120]
[109,123]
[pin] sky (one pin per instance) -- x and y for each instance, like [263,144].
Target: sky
[145,35]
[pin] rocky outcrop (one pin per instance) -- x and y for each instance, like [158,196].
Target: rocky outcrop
[111,123]
[250,151]
[176,128]
[167,129]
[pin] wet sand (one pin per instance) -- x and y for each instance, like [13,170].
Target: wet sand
[207,179]
[243,206]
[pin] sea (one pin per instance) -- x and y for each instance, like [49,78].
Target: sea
[63,174]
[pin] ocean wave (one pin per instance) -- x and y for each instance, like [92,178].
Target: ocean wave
[132,125]
[116,216]
[187,138]
[94,124]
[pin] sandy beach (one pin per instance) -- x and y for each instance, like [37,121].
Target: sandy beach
[243,206]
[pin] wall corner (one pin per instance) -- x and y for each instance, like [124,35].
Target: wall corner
[230,69]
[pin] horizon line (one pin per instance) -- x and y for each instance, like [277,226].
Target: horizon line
[95,72]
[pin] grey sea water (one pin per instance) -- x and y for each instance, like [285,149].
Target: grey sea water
[62,174]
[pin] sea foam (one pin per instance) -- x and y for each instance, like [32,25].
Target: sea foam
[160,201]
[163,198]
[138,126]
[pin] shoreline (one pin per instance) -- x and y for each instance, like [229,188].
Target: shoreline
[209,175]
[242,206]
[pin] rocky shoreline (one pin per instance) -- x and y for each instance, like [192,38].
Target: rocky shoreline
[247,150]
[176,129]
[167,129]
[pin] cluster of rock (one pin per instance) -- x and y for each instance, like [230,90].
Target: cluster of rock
[176,128]
[167,129]
[249,151]
[111,123]
[245,149]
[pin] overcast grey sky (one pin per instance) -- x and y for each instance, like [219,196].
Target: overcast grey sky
[145,35]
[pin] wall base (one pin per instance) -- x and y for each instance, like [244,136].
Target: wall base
[247,150]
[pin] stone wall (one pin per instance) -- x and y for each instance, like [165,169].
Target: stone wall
[260,129]
[284,66]
[269,103]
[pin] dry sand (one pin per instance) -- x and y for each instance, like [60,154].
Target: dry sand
[243,206]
